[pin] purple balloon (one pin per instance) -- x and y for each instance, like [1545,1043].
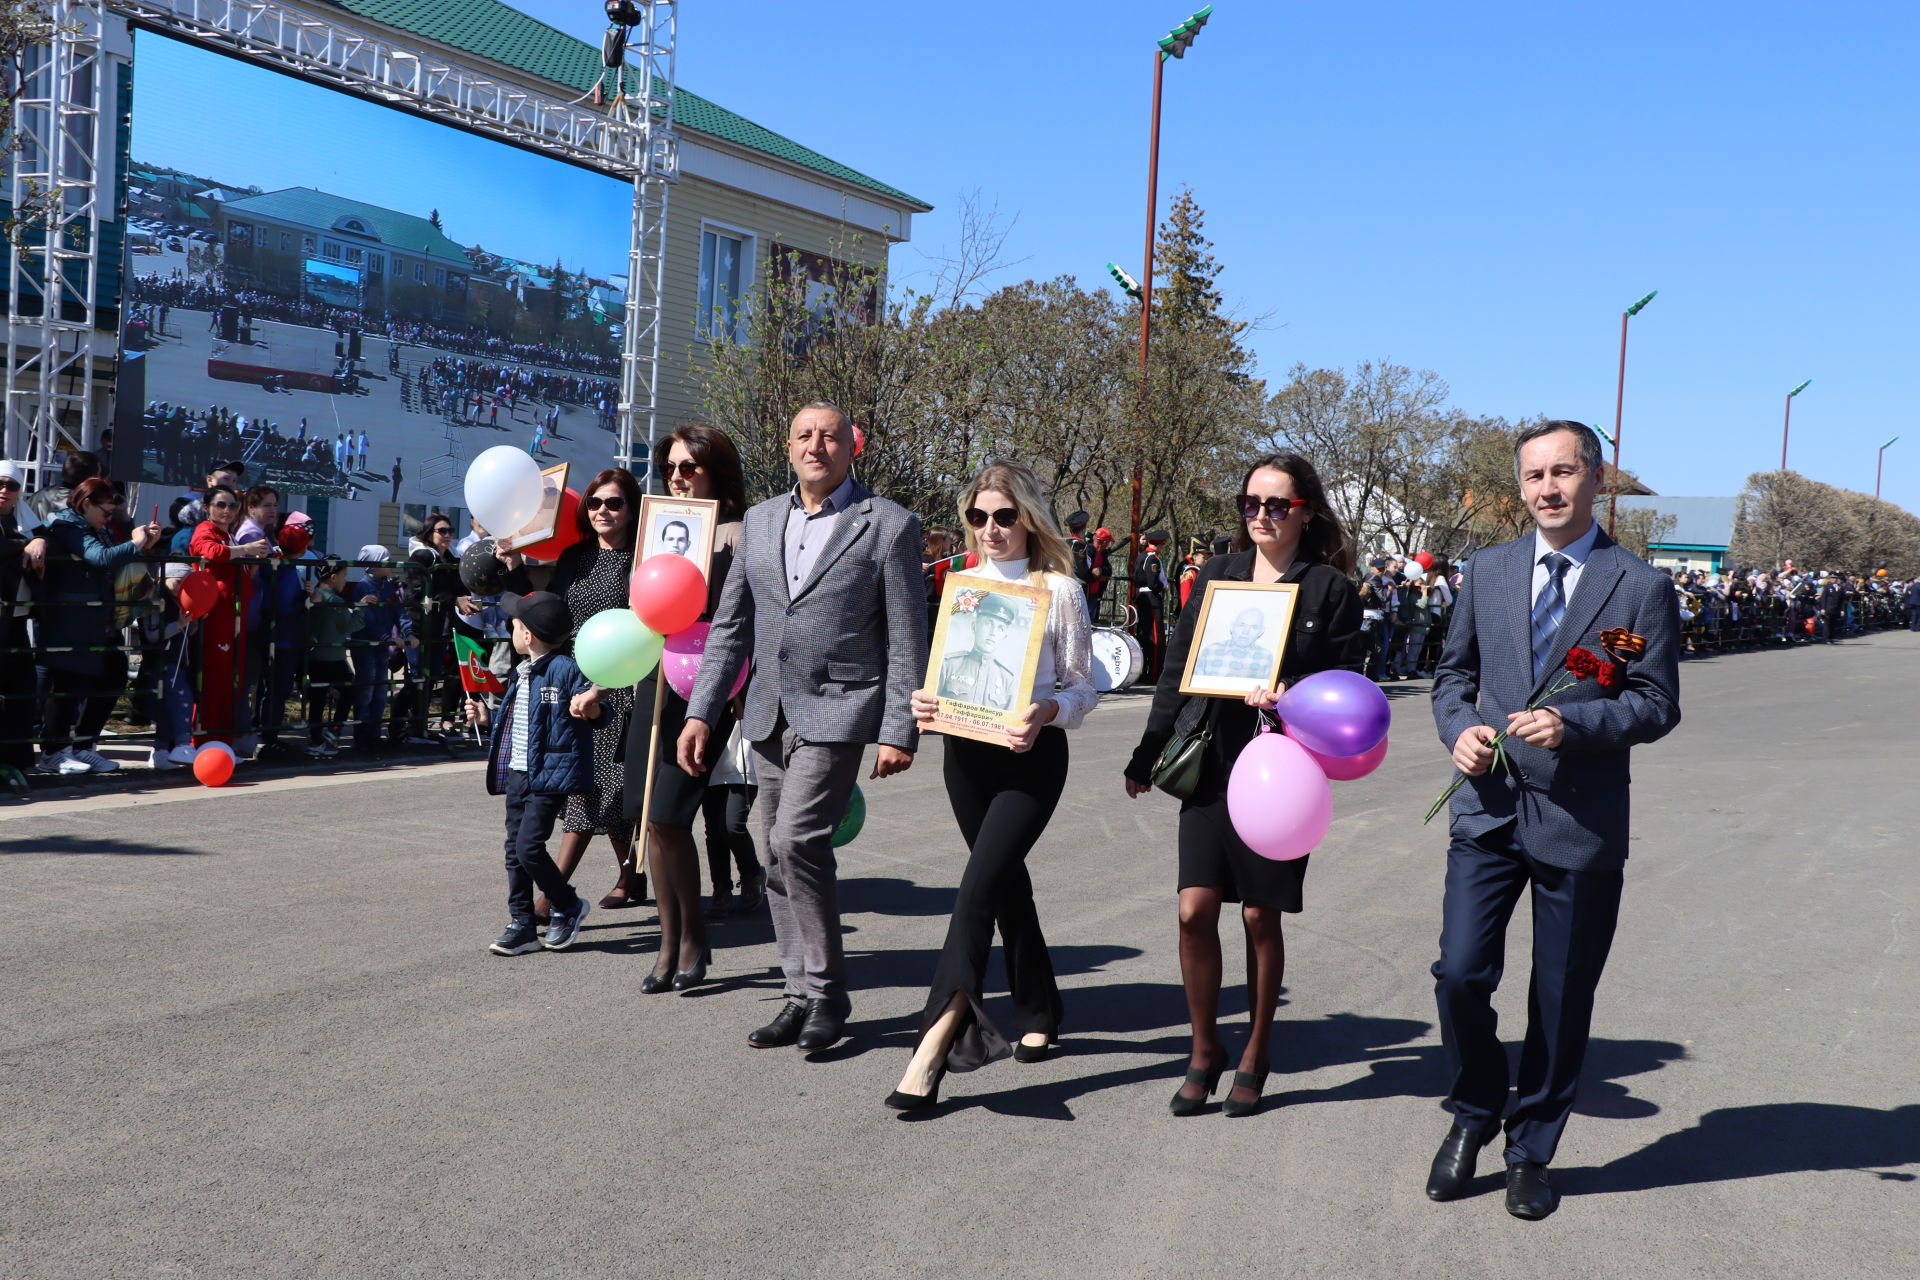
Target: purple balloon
[1336,713]
[680,660]
[1278,797]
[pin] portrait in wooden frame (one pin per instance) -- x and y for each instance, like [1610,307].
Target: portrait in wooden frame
[546,521]
[986,652]
[1239,638]
[678,526]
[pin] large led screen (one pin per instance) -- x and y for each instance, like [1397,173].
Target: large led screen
[355,300]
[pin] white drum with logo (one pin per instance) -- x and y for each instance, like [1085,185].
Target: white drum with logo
[1117,660]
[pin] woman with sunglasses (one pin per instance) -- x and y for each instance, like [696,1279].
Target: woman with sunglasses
[223,636]
[1288,533]
[696,462]
[1003,796]
[86,669]
[592,576]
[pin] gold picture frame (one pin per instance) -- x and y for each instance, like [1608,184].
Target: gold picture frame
[981,675]
[546,521]
[1228,658]
[677,526]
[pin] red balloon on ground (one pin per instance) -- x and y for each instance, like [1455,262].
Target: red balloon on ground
[668,592]
[213,764]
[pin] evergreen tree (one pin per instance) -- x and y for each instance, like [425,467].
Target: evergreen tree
[434,218]
[1185,298]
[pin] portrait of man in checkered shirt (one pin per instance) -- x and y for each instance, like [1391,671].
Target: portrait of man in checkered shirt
[1240,656]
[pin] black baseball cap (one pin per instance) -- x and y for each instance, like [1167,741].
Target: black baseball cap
[1078,520]
[544,613]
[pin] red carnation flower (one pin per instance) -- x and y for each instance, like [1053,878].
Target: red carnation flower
[1583,663]
[1608,675]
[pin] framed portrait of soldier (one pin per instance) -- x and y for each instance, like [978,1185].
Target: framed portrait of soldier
[986,652]
[1238,638]
[678,527]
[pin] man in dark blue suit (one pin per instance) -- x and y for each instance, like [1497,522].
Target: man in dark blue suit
[1553,816]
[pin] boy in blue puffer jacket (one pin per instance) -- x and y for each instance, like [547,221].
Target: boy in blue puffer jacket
[539,751]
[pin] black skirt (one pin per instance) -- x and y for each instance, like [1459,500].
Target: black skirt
[676,794]
[1212,854]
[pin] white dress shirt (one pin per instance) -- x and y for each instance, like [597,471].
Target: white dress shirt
[1065,673]
[1577,552]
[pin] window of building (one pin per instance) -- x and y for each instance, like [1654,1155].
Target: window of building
[726,273]
[419,273]
[355,255]
[377,263]
[330,250]
[439,277]
[307,245]
[286,242]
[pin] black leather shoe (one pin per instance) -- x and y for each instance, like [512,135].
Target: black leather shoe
[1453,1164]
[1244,1080]
[918,1101]
[784,1029]
[826,1022]
[1024,1052]
[654,983]
[1529,1194]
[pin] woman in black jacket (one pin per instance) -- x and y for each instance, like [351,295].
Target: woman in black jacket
[1288,533]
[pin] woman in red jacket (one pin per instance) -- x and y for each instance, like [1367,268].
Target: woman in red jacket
[222,635]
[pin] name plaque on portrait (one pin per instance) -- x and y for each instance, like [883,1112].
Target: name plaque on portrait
[986,651]
[1239,638]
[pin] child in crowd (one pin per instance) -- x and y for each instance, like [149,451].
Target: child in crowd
[731,791]
[540,750]
[331,623]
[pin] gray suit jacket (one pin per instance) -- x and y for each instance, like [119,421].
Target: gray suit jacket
[1571,803]
[841,657]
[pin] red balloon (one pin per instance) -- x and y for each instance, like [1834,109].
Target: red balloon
[199,592]
[213,764]
[668,592]
[1424,559]
[566,531]
[859,440]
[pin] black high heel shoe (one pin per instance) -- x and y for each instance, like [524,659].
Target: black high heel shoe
[900,1101]
[1208,1078]
[654,983]
[686,979]
[1243,1080]
[1024,1052]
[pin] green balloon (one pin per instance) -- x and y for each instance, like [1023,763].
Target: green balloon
[854,819]
[616,650]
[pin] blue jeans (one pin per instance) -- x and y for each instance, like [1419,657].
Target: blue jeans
[369,692]
[530,819]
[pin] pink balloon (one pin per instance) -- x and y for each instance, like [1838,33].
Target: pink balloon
[1278,798]
[682,656]
[1345,768]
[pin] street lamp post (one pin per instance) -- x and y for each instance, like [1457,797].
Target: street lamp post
[1787,425]
[1620,404]
[1879,463]
[1174,45]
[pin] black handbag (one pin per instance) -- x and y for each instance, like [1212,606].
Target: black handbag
[1177,771]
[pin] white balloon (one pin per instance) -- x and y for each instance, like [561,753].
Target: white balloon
[504,489]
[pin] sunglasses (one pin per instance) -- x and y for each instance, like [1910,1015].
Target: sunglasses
[687,470]
[615,503]
[221,506]
[1275,508]
[1005,517]
[440,529]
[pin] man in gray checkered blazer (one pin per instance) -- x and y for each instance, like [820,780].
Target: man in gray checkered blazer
[1553,818]
[826,598]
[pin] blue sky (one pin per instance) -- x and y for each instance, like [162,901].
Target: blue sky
[215,117]
[1473,189]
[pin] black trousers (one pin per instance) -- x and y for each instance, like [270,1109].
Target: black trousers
[530,819]
[329,681]
[77,705]
[1573,918]
[1002,802]
[725,808]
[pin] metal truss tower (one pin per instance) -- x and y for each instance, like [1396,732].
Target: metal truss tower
[645,101]
[65,127]
[53,345]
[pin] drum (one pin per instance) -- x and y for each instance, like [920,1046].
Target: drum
[1117,660]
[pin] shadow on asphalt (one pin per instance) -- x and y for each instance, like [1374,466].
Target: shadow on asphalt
[1759,1142]
[96,845]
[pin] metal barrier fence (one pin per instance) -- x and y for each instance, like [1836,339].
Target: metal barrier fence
[231,672]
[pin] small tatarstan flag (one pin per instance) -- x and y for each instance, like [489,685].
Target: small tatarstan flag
[475,675]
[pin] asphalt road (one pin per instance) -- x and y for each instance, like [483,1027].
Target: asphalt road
[256,1033]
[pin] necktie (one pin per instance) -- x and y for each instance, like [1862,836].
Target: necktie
[1549,608]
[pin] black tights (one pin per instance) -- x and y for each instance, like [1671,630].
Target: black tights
[1002,802]
[1202,970]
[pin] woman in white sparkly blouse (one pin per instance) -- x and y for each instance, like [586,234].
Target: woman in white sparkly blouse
[1003,796]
